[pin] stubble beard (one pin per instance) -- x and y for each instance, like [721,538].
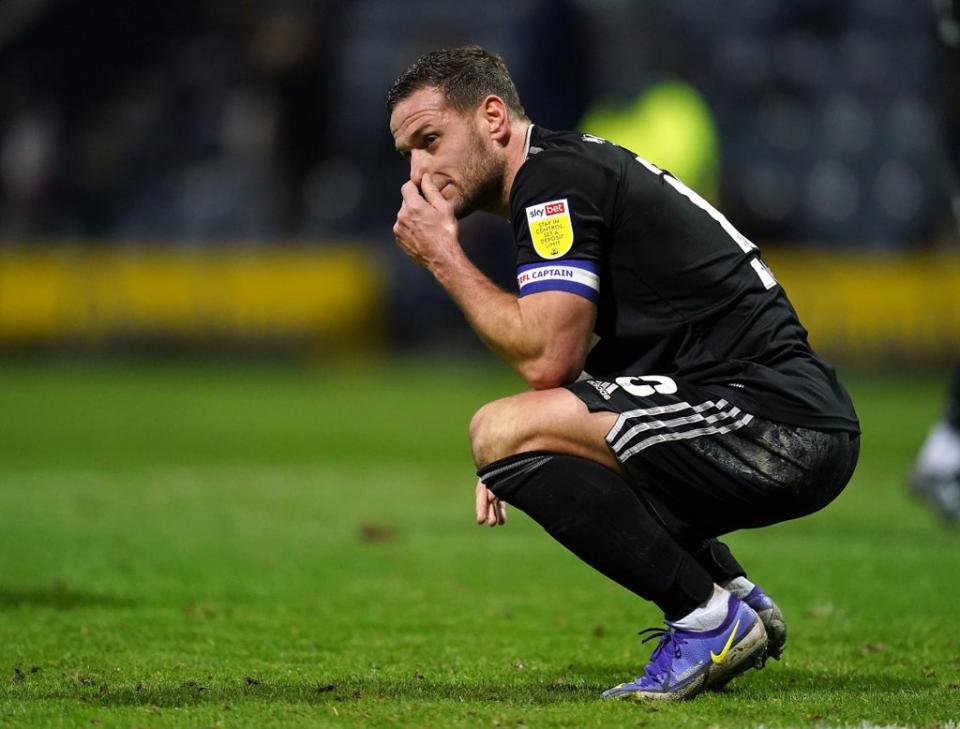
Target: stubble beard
[483,176]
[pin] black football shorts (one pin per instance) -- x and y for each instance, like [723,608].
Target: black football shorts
[705,467]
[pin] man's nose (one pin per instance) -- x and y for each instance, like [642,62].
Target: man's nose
[418,167]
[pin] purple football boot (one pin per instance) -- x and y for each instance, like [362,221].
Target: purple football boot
[685,662]
[772,619]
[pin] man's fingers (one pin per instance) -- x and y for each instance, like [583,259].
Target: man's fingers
[491,515]
[490,510]
[411,193]
[430,192]
[498,512]
[483,503]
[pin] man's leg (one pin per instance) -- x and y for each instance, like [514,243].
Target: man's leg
[546,454]
[707,468]
[700,465]
[952,416]
[936,473]
[563,424]
[542,420]
[717,559]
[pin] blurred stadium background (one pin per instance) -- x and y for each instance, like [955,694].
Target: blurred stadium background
[215,176]
[234,477]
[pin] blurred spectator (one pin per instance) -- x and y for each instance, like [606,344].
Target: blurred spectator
[936,472]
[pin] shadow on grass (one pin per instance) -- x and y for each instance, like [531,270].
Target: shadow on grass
[533,692]
[58,596]
[346,690]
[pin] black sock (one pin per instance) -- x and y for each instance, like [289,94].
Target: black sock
[953,401]
[592,512]
[715,557]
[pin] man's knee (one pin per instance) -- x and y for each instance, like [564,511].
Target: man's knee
[493,433]
[547,420]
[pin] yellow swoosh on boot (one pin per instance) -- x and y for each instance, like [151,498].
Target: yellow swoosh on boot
[718,659]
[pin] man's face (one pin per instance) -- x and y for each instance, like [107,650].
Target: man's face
[450,146]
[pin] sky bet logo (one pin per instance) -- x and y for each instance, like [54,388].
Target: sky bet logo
[551,229]
[546,210]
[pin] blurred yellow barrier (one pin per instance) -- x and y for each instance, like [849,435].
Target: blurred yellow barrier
[859,308]
[328,296]
[872,309]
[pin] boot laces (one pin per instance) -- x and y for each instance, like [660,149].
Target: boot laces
[668,649]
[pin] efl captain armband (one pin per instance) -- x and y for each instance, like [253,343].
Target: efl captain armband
[572,276]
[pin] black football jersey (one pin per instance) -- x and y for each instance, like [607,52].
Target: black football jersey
[679,291]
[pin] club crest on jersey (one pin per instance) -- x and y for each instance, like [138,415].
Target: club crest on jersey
[551,228]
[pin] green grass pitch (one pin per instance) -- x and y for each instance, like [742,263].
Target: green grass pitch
[265,545]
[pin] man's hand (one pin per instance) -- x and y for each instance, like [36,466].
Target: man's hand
[426,227]
[490,510]
[544,337]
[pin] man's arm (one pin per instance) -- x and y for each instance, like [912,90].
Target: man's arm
[544,337]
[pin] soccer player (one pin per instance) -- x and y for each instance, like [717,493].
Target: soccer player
[700,409]
[936,473]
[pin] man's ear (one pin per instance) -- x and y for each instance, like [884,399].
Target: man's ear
[495,118]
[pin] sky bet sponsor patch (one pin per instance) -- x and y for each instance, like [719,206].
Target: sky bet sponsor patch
[550,228]
[575,277]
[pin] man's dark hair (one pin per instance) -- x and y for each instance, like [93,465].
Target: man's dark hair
[465,76]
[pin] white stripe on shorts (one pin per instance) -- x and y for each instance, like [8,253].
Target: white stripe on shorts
[651,429]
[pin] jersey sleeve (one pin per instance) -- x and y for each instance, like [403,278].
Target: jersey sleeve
[557,209]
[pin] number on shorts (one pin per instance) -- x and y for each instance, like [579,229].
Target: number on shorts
[662,385]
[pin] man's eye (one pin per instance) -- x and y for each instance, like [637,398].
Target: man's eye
[430,139]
